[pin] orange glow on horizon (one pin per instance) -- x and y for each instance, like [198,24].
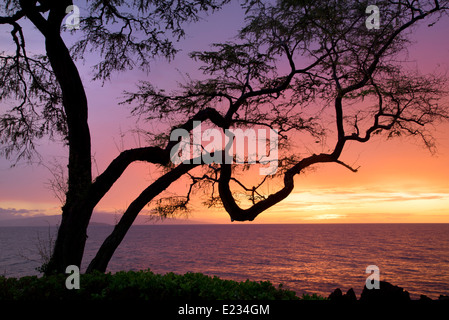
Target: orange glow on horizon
[396,183]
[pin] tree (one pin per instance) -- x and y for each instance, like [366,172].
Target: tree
[348,75]
[294,65]
[51,99]
[337,68]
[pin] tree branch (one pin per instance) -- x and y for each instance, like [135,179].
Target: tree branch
[108,247]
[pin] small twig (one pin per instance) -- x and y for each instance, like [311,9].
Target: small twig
[347,166]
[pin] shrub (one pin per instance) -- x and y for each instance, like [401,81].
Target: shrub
[313,297]
[139,286]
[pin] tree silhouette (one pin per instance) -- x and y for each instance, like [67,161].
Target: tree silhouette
[294,65]
[51,99]
[336,67]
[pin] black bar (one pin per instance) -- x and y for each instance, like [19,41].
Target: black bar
[221,309]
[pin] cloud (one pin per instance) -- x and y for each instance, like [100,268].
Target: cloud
[13,213]
[364,205]
[348,196]
[326,216]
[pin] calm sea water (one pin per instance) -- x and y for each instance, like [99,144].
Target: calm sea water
[305,258]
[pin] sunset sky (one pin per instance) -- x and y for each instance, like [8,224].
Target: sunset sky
[399,181]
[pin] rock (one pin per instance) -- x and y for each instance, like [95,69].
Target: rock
[350,295]
[338,296]
[424,298]
[386,293]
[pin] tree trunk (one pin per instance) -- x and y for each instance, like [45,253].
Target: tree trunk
[107,249]
[70,241]
[71,238]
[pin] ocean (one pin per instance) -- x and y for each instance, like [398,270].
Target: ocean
[306,258]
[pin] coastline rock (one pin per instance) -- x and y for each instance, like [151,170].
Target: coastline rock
[424,298]
[386,293]
[338,296]
[350,295]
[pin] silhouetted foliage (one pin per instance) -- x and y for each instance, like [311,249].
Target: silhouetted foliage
[139,286]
